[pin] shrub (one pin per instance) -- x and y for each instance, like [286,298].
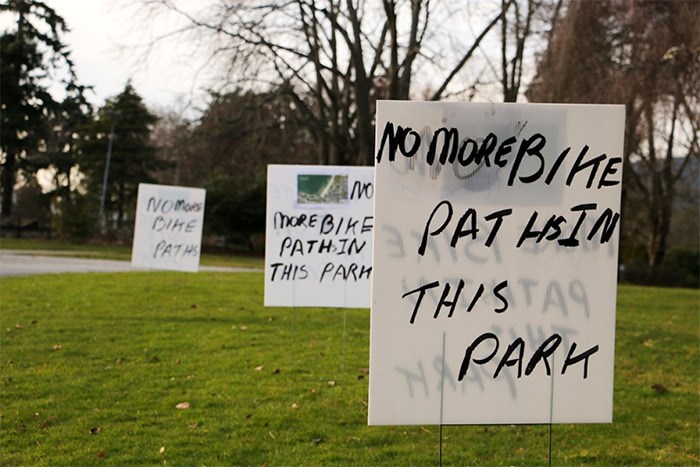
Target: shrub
[76,218]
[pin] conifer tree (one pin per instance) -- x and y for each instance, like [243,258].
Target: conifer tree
[36,129]
[133,157]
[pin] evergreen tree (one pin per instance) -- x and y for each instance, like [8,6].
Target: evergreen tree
[32,58]
[133,157]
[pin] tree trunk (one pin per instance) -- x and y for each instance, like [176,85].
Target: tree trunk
[8,184]
[656,249]
[120,205]
[365,132]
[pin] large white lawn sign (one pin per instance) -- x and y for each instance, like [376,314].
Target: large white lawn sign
[318,242]
[495,263]
[168,230]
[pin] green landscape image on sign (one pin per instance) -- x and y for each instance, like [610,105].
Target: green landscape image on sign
[322,189]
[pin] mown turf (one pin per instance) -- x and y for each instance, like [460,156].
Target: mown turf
[92,368]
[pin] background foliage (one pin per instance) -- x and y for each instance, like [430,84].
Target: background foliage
[298,82]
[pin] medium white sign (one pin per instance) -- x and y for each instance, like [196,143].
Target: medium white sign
[168,230]
[318,242]
[495,263]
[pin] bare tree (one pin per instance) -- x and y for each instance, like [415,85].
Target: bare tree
[522,21]
[645,55]
[332,58]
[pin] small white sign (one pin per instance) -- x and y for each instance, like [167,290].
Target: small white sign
[168,230]
[318,242]
[495,263]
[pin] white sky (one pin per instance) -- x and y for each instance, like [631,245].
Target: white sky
[102,38]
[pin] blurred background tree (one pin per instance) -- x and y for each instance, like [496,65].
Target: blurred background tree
[297,82]
[645,55]
[37,130]
[133,158]
[227,152]
[333,59]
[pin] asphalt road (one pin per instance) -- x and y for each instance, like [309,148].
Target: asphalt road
[24,263]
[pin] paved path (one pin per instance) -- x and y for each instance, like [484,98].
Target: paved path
[24,263]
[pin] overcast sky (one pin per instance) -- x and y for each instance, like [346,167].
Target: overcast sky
[103,39]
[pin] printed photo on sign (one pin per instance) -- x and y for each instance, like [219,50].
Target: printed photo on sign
[494,263]
[322,189]
[318,239]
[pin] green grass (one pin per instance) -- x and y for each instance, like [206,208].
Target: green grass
[116,252]
[115,353]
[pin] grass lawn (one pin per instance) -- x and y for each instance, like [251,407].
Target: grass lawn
[94,366]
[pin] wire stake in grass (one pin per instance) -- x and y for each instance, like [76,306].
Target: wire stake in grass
[551,414]
[442,392]
[345,326]
[294,334]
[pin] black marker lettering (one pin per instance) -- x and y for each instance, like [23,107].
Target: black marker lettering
[362,190]
[532,147]
[579,165]
[470,350]
[607,221]
[476,298]
[472,153]
[528,232]
[367,224]
[444,302]
[572,241]
[472,230]
[546,349]
[397,140]
[498,215]
[519,345]
[503,150]
[421,292]
[571,360]
[496,293]
[609,170]
[555,167]
[424,240]
[449,146]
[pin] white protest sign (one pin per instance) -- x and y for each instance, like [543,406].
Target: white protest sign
[168,230]
[495,261]
[318,241]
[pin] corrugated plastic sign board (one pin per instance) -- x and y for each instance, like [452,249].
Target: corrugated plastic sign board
[495,263]
[318,239]
[168,228]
